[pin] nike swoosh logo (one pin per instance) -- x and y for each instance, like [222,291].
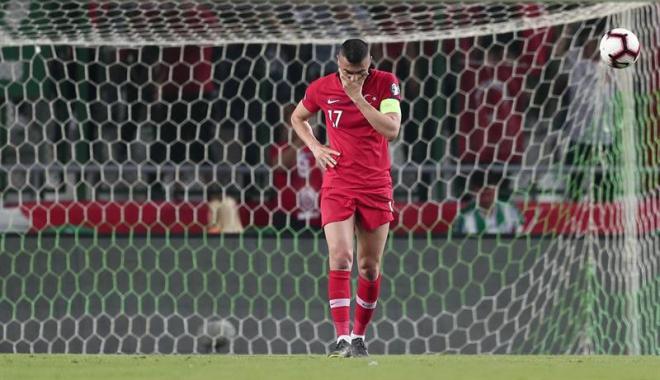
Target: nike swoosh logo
[332,101]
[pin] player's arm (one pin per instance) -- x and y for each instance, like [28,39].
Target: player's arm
[325,156]
[387,124]
[387,120]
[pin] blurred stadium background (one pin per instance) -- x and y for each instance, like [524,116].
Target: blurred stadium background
[133,133]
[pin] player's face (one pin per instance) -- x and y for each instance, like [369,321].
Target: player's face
[353,70]
[486,197]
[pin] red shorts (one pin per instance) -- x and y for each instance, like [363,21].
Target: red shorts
[372,208]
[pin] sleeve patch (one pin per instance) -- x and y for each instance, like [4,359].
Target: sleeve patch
[395,90]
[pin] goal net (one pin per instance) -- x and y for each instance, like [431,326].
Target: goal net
[153,197]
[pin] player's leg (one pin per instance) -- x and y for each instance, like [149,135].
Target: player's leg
[337,211]
[374,213]
[339,236]
[371,244]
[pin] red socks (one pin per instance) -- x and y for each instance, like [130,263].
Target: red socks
[339,294]
[367,296]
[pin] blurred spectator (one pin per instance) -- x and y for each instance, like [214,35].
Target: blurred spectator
[296,178]
[223,216]
[422,143]
[487,214]
[495,78]
[13,220]
[188,111]
[590,123]
[121,107]
[490,127]
[187,91]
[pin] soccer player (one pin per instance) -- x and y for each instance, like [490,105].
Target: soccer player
[362,114]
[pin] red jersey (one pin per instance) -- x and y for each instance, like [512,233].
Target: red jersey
[365,159]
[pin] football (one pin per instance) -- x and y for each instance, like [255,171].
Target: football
[619,48]
[214,335]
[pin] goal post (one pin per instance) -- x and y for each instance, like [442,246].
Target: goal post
[151,189]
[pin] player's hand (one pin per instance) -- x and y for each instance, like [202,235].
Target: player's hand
[325,157]
[353,85]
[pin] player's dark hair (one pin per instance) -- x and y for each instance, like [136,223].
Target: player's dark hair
[354,50]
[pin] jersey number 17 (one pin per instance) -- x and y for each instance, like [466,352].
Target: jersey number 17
[335,120]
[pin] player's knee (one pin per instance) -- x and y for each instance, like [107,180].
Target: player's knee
[341,258]
[369,269]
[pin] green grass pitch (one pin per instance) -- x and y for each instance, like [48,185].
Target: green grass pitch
[235,367]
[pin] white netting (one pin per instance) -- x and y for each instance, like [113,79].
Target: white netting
[126,128]
[222,22]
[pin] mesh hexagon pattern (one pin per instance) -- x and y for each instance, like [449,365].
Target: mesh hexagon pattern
[123,122]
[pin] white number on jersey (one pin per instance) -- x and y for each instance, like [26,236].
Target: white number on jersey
[335,121]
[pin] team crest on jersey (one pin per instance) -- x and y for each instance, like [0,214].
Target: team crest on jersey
[394,89]
[370,98]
